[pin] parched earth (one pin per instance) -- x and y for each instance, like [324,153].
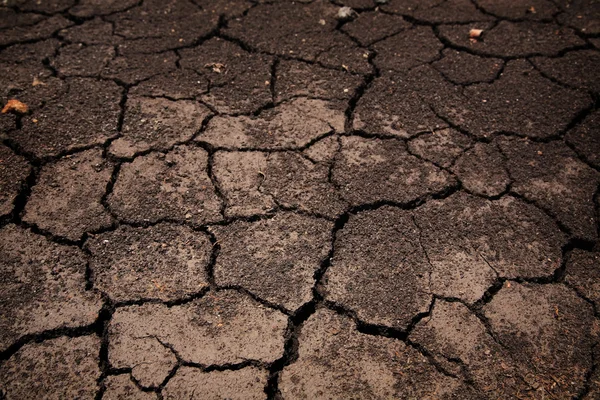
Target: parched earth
[250,199]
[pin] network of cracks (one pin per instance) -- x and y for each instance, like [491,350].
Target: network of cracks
[258,199]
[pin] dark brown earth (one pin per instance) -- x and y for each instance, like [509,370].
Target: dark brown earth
[266,199]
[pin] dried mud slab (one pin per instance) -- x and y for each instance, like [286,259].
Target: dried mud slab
[294,124]
[80,60]
[585,139]
[193,383]
[14,170]
[514,39]
[375,170]
[373,26]
[178,85]
[85,114]
[156,25]
[296,79]
[441,147]
[134,68]
[165,262]
[42,29]
[481,170]
[323,150]
[20,65]
[121,387]
[521,101]
[583,274]
[45,7]
[379,269]
[583,15]
[62,368]
[223,328]
[157,124]
[551,175]
[407,49]
[89,8]
[239,176]
[240,82]
[393,106]
[469,241]
[295,182]
[335,360]
[43,286]
[576,68]
[255,182]
[67,198]
[93,31]
[305,31]
[452,332]
[530,10]
[434,11]
[463,68]
[174,186]
[275,259]
[547,330]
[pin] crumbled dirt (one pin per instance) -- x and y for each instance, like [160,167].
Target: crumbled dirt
[66,200]
[192,383]
[266,199]
[275,259]
[43,286]
[164,261]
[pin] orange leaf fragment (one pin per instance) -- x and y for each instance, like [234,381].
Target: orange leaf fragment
[475,33]
[15,106]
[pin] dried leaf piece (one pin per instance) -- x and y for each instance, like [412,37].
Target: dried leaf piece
[15,106]
[216,67]
[475,33]
[37,82]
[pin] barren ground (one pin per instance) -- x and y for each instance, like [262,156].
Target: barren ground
[249,199]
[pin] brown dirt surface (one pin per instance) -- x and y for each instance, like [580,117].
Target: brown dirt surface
[300,199]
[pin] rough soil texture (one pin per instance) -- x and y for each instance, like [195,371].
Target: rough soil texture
[276,199]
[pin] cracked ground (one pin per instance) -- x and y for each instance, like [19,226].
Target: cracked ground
[260,199]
